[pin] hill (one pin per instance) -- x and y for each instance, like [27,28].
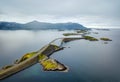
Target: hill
[35,25]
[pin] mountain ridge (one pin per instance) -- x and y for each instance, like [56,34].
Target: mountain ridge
[36,25]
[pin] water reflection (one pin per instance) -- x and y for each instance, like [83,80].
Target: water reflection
[87,61]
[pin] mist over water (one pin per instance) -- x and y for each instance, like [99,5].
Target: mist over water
[87,61]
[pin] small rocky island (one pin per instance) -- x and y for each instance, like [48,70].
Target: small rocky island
[105,39]
[69,34]
[52,65]
[90,38]
[42,56]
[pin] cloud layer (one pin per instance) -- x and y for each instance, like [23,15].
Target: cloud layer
[91,13]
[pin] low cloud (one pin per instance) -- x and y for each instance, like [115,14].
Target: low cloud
[94,11]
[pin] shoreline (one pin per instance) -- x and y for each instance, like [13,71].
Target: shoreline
[17,67]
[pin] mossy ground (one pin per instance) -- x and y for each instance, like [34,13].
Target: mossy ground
[56,47]
[49,64]
[52,65]
[27,56]
[81,31]
[69,34]
[6,67]
[105,39]
[42,57]
[90,38]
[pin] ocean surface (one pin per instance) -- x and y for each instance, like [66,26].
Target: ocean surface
[87,61]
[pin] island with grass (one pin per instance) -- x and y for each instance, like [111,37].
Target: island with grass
[105,39]
[69,34]
[90,38]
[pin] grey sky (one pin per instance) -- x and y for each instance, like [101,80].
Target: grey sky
[91,13]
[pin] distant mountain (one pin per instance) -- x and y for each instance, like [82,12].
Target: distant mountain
[35,25]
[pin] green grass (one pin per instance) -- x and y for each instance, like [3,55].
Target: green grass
[90,38]
[27,56]
[49,64]
[69,34]
[105,39]
[6,67]
[56,47]
[42,56]
[81,31]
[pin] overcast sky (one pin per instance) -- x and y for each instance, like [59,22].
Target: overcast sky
[90,13]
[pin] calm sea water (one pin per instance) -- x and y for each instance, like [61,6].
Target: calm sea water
[87,61]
